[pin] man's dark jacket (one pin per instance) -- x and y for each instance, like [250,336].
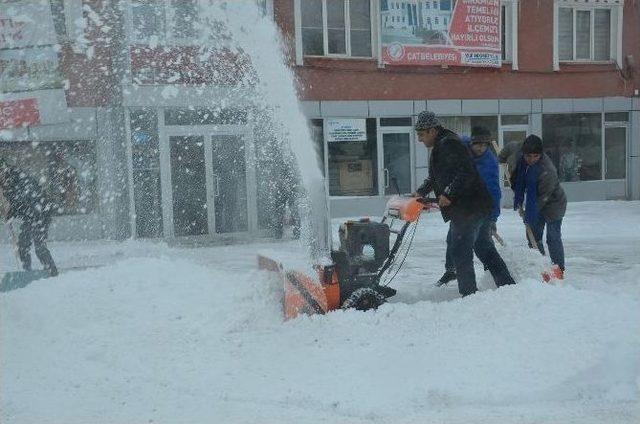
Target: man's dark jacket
[25,196]
[453,174]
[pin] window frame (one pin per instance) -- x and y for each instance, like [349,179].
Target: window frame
[615,7]
[511,8]
[614,124]
[166,37]
[374,15]
[604,124]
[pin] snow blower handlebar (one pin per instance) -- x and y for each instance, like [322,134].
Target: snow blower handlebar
[408,208]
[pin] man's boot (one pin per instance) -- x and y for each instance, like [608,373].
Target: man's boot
[448,276]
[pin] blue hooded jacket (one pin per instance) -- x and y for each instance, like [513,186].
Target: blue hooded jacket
[488,168]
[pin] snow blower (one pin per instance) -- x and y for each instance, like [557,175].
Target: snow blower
[363,260]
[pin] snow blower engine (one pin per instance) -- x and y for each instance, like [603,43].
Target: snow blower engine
[363,260]
[364,256]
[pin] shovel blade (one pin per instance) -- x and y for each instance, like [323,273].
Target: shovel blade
[18,279]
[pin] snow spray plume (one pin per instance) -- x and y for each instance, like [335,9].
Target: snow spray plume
[267,85]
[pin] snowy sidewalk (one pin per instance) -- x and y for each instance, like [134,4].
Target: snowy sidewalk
[174,335]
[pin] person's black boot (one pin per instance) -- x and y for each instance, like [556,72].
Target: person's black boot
[53,271]
[447,277]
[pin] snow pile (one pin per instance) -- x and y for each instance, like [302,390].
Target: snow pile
[169,340]
[173,335]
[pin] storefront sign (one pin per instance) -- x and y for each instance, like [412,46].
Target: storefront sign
[453,32]
[31,84]
[19,113]
[26,24]
[29,69]
[18,110]
[346,130]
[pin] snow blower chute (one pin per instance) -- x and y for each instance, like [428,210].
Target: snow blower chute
[354,279]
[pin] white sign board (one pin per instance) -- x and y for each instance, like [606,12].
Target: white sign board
[26,24]
[346,129]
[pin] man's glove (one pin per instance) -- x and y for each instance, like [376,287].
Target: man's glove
[521,212]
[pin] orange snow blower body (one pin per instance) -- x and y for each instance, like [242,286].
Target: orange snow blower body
[352,280]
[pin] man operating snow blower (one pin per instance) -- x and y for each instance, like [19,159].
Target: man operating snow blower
[463,199]
[486,164]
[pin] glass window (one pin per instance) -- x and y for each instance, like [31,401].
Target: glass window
[360,28]
[585,34]
[574,143]
[514,119]
[313,28]
[312,43]
[57,13]
[66,171]
[463,125]
[353,165]
[616,117]
[396,122]
[192,116]
[602,33]
[317,133]
[146,172]
[185,17]
[565,34]
[615,153]
[507,30]
[148,18]
[336,27]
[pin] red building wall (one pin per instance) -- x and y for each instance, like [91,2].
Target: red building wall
[347,79]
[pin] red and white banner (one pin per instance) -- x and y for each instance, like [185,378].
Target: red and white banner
[19,113]
[31,83]
[452,32]
[41,107]
[26,24]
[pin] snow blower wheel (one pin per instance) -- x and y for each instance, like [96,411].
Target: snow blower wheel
[364,299]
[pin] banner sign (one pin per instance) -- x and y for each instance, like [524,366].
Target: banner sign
[19,110]
[31,82]
[26,24]
[30,69]
[19,113]
[445,32]
[346,130]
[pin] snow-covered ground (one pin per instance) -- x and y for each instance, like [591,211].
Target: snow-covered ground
[161,334]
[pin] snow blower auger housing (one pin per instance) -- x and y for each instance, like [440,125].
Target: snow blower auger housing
[353,279]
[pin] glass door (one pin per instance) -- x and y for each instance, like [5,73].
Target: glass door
[207,184]
[615,153]
[397,169]
[229,176]
[188,185]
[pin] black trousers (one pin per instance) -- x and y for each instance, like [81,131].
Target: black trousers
[474,235]
[35,231]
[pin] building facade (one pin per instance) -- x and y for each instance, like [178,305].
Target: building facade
[135,131]
[569,74]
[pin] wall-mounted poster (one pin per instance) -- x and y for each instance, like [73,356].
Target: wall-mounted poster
[441,32]
[346,129]
[31,83]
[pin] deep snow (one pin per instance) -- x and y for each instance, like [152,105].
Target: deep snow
[181,335]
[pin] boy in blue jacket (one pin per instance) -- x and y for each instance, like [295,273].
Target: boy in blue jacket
[486,164]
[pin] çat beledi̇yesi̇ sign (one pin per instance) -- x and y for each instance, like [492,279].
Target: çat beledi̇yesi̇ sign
[445,32]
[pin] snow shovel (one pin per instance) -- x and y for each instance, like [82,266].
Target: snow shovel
[555,273]
[17,279]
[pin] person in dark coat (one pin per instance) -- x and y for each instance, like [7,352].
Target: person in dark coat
[463,199]
[28,203]
[537,190]
[486,163]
